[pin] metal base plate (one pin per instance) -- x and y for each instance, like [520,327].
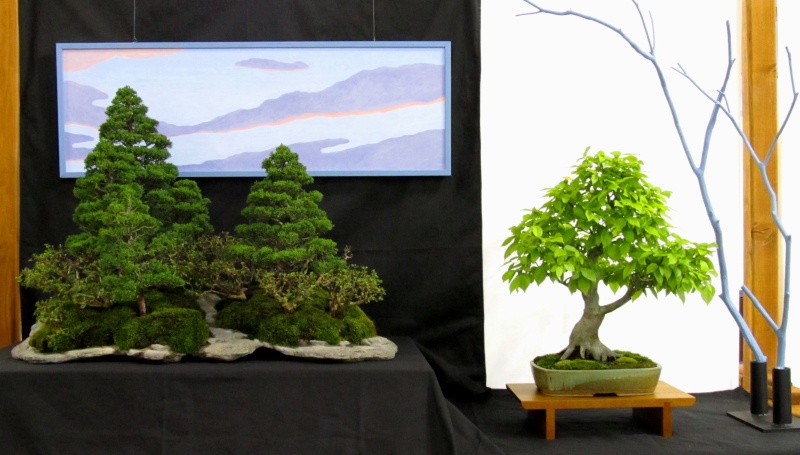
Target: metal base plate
[764,422]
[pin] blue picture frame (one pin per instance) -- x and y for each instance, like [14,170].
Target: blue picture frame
[371,108]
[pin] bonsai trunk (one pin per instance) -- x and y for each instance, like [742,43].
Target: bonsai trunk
[584,336]
[140,303]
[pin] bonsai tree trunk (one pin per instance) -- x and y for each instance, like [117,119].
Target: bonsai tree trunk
[584,336]
[140,303]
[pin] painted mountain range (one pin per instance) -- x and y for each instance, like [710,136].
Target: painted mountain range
[375,121]
[417,151]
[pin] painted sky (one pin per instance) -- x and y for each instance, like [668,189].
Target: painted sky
[191,86]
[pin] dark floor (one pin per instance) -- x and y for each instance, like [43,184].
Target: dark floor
[704,428]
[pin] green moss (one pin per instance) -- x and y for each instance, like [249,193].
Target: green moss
[626,360]
[172,298]
[580,364]
[319,325]
[281,329]
[52,339]
[79,328]
[356,325]
[71,327]
[246,316]
[183,330]
[262,317]
[289,329]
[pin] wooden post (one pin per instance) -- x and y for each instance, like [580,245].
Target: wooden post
[762,247]
[9,173]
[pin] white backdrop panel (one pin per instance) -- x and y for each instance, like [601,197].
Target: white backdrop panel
[551,86]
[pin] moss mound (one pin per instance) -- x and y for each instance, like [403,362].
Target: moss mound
[173,298]
[174,320]
[357,325]
[262,318]
[80,328]
[246,315]
[182,329]
[627,360]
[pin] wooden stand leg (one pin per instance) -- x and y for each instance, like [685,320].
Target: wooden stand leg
[543,420]
[658,419]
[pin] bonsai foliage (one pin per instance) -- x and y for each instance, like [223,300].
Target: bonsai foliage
[285,223]
[605,225]
[138,222]
[300,287]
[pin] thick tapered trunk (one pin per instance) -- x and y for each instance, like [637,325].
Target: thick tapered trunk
[585,335]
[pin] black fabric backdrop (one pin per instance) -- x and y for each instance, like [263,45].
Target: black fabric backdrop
[421,234]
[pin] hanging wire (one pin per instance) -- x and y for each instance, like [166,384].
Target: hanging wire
[373,21]
[134,21]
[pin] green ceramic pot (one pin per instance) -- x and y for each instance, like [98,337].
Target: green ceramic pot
[587,383]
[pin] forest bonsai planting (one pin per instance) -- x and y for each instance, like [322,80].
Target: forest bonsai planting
[605,224]
[146,252]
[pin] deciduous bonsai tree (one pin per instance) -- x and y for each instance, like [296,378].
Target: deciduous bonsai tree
[698,159]
[605,225]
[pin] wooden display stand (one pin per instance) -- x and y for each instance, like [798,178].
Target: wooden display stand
[655,410]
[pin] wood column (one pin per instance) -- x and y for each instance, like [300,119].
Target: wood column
[763,269]
[9,173]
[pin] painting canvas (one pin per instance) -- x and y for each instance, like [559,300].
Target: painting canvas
[346,108]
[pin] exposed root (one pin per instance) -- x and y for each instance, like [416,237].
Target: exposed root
[594,350]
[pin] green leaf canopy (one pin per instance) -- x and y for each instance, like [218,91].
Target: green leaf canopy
[606,223]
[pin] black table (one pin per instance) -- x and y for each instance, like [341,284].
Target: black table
[265,403]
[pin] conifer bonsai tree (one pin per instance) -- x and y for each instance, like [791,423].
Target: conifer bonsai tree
[605,224]
[138,224]
[295,285]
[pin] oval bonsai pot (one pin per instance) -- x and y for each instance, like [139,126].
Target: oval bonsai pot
[587,383]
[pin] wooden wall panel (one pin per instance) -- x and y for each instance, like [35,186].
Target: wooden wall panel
[9,173]
[762,246]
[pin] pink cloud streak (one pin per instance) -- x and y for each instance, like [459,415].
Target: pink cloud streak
[81,59]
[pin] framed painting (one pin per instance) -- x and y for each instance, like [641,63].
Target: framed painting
[346,108]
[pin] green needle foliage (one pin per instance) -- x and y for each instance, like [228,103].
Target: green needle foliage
[139,224]
[605,224]
[285,223]
[300,287]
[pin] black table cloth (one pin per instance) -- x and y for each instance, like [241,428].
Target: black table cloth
[265,403]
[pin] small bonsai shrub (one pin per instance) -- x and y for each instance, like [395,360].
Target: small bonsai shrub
[605,225]
[215,264]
